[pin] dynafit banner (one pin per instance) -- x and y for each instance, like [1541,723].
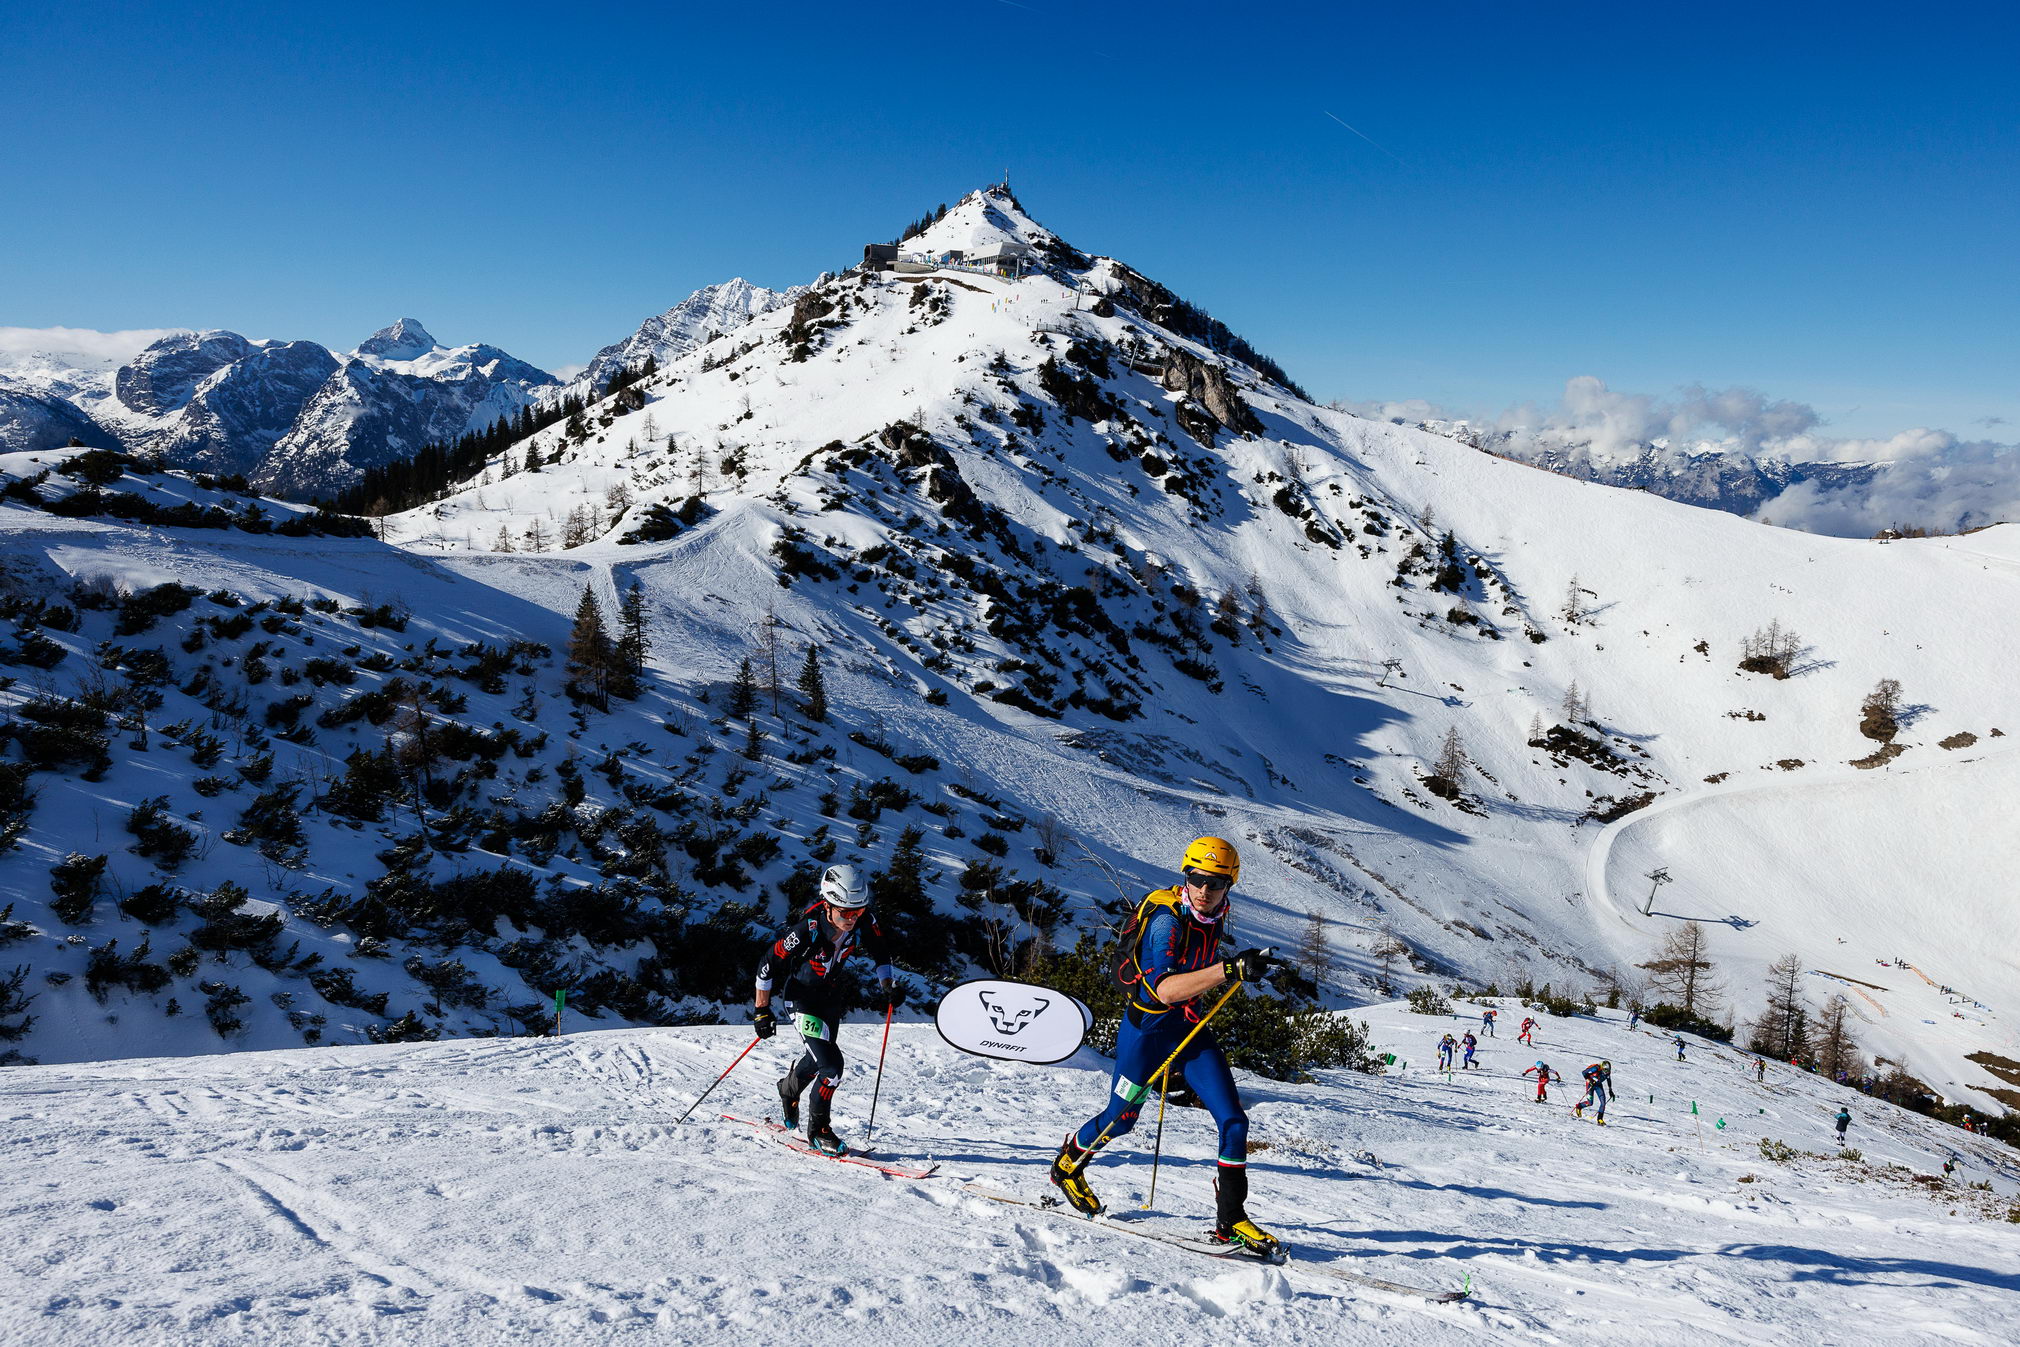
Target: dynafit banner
[1013,1021]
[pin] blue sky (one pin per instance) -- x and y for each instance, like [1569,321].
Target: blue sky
[1815,200]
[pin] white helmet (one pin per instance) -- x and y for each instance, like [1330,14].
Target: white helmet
[841,887]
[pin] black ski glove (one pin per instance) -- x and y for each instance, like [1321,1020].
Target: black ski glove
[764,1022]
[1247,966]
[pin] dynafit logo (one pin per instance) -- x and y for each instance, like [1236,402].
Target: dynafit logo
[1013,1013]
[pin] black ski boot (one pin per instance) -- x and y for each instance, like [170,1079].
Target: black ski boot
[1069,1175]
[789,1103]
[819,1135]
[1232,1225]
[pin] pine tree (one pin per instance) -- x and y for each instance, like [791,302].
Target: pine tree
[1449,771]
[813,688]
[1574,611]
[1451,762]
[1835,1047]
[753,741]
[1783,1029]
[743,693]
[768,651]
[1536,728]
[1681,971]
[1574,704]
[634,642]
[1315,952]
[1387,950]
[917,935]
[591,655]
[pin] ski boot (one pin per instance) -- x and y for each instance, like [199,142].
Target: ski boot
[1251,1238]
[819,1135]
[1232,1226]
[789,1104]
[1069,1176]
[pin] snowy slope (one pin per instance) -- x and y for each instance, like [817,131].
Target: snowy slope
[1882,884]
[1304,756]
[510,1189]
[1050,533]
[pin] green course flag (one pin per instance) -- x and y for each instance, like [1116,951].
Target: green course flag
[1693,1106]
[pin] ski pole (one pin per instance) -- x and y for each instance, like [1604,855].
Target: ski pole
[717,1081]
[1157,1150]
[872,1127]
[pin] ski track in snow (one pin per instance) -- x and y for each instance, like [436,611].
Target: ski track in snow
[506,1189]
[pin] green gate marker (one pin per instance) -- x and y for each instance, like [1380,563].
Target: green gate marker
[560,1003]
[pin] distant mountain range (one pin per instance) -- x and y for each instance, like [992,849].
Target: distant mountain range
[299,420]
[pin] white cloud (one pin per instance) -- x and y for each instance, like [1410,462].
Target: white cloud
[1927,479]
[1921,477]
[77,344]
[1606,425]
[567,372]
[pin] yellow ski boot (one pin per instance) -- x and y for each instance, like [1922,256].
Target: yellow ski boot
[1069,1175]
[1251,1237]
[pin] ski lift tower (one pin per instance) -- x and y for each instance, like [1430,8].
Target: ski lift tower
[1657,879]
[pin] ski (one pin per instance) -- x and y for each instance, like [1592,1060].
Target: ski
[792,1142]
[1225,1252]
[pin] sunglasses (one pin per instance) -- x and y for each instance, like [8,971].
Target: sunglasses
[1211,883]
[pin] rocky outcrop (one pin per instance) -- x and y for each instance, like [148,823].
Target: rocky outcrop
[1210,390]
[163,378]
[240,413]
[707,313]
[33,422]
[368,415]
[404,340]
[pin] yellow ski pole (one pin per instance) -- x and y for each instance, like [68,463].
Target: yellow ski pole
[1163,1093]
[1161,1073]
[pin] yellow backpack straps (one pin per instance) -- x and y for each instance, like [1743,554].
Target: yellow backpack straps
[1129,968]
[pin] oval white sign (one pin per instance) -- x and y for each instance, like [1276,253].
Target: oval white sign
[1012,1021]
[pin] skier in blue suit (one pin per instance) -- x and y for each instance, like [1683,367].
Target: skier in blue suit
[1170,962]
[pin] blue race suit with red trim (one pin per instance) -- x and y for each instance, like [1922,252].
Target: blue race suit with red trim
[1174,940]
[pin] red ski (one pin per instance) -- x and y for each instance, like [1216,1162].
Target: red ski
[792,1141]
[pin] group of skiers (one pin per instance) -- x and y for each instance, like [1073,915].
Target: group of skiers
[1171,962]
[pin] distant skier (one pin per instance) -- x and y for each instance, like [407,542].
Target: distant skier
[1678,1040]
[1446,1047]
[1528,1032]
[1487,1020]
[1544,1075]
[1598,1079]
[1760,1070]
[1169,963]
[1633,1018]
[798,965]
[1843,1120]
[1471,1044]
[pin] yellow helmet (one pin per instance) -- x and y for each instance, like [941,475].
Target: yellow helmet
[1215,855]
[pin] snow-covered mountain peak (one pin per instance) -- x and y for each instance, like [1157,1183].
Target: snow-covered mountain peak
[982,222]
[404,340]
[692,323]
